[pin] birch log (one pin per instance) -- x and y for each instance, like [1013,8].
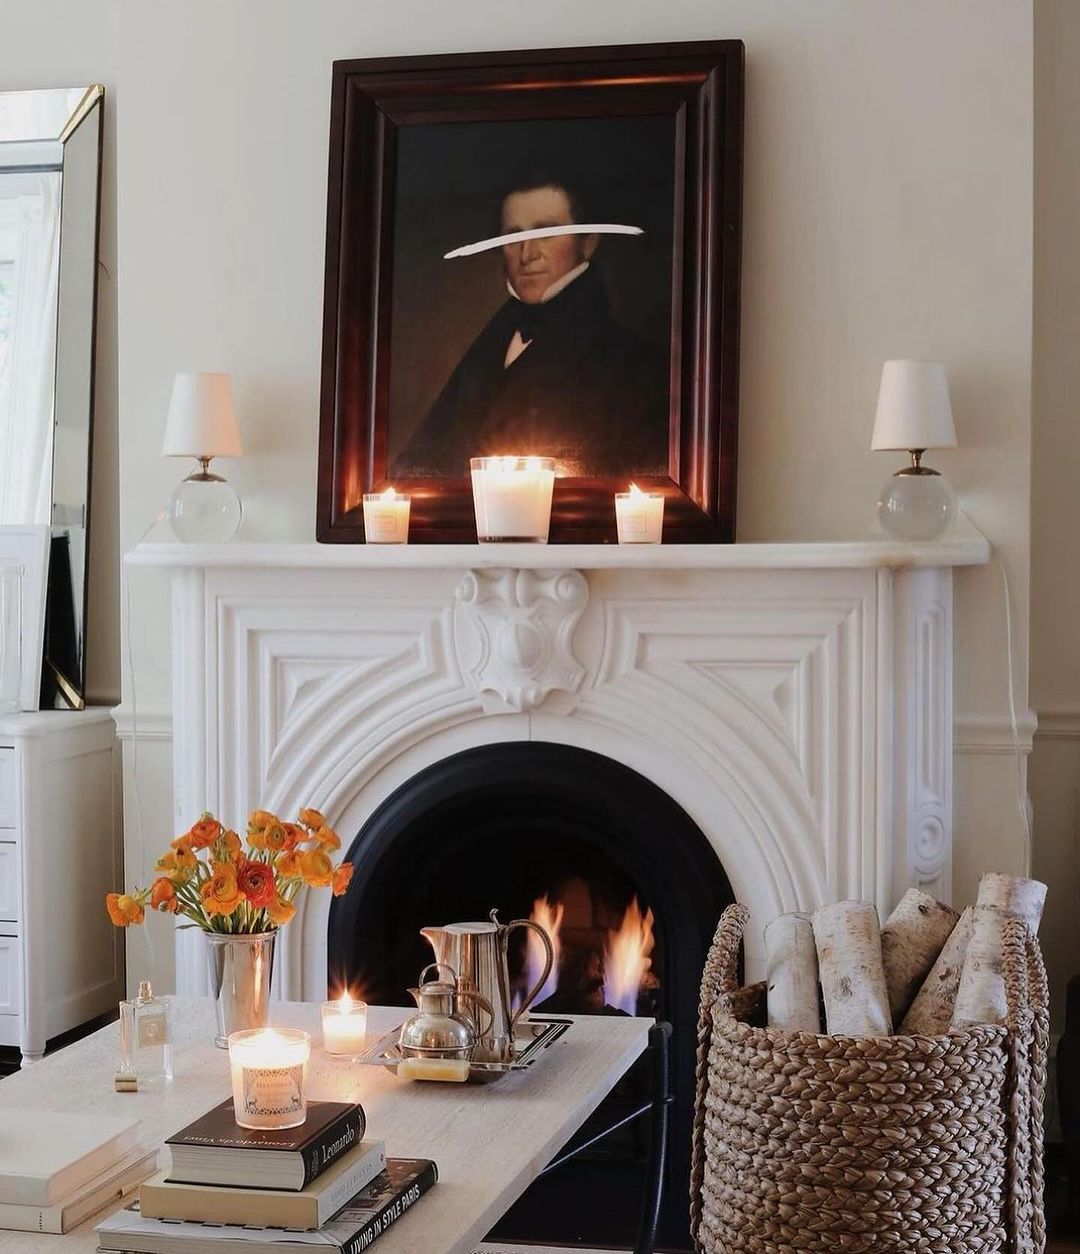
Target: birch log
[848,941]
[913,936]
[981,995]
[1014,894]
[792,974]
[932,1010]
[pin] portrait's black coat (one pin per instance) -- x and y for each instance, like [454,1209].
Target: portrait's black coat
[586,391]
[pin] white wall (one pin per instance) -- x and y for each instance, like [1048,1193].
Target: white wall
[1055,507]
[887,212]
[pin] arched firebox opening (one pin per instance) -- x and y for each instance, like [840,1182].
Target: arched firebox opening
[622,877]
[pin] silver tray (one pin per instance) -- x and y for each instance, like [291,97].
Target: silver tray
[532,1036]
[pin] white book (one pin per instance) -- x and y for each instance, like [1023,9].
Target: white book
[47,1154]
[87,1200]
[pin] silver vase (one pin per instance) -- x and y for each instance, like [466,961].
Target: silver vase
[241,968]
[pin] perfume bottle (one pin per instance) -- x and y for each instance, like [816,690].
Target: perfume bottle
[145,1040]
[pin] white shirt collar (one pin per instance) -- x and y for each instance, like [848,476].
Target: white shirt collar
[560,285]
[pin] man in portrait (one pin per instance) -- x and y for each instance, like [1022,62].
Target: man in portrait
[553,373]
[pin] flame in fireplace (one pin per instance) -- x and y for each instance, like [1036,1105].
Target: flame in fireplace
[628,958]
[549,915]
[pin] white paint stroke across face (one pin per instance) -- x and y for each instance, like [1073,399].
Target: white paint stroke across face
[542,232]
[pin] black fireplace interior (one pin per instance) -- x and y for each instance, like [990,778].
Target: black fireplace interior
[631,890]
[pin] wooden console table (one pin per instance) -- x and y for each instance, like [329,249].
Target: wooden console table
[489,1141]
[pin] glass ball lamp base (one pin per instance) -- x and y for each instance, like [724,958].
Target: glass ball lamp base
[917,503]
[205,509]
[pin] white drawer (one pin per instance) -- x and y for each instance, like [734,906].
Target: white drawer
[9,882]
[7,787]
[9,975]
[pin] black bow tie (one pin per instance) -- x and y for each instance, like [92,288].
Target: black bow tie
[532,319]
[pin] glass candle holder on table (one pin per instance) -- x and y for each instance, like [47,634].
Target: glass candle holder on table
[512,498]
[269,1077]
[344,1025]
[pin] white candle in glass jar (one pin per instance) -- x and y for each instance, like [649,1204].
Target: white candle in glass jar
[512,498]
[269,1077]
[344,1025]
[639,516]
[386,517]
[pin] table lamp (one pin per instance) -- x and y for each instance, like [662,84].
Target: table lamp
[914,414]
[202,424]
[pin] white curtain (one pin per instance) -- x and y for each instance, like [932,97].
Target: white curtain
[30,231]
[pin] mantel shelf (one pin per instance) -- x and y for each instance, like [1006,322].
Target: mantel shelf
[965,546]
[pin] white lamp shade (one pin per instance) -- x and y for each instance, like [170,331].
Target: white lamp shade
[913,410]
[202,420]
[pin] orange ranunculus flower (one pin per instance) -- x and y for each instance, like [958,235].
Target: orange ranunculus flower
[316,868]
[256,881]
[312,819]
[327,837]
[259,820]
[123,910]
[163,896]
[280,911]
[178,864]
[342,878]
[287,865]
[275,837]
[202,834]
[229,847]
[294,835]
[221,893]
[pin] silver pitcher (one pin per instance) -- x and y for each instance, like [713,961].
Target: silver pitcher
[477,952]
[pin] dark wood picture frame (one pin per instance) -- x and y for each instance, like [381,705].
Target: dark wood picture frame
[700,85]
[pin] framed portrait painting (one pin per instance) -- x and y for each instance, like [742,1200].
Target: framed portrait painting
[534,253]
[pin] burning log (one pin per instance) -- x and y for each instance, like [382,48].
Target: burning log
[848,941]
[913,936]
[628,958]
[792,974]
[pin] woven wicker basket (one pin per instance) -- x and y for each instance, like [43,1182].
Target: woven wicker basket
[805,1143]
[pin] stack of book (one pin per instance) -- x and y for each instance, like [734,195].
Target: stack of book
[320,1184]
[56,1170]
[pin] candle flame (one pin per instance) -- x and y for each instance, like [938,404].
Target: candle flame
[345,1003]
[635,490]
[388,495]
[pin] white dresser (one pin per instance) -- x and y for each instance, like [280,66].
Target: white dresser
[61,960]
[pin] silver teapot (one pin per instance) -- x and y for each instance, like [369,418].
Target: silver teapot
[439,1029]
[477,952]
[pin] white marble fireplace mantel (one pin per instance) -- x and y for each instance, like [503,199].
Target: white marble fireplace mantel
[966,547]
[794,699]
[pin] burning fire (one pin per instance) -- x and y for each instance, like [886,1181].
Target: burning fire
[550,916]
[627,955]
[628,958]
